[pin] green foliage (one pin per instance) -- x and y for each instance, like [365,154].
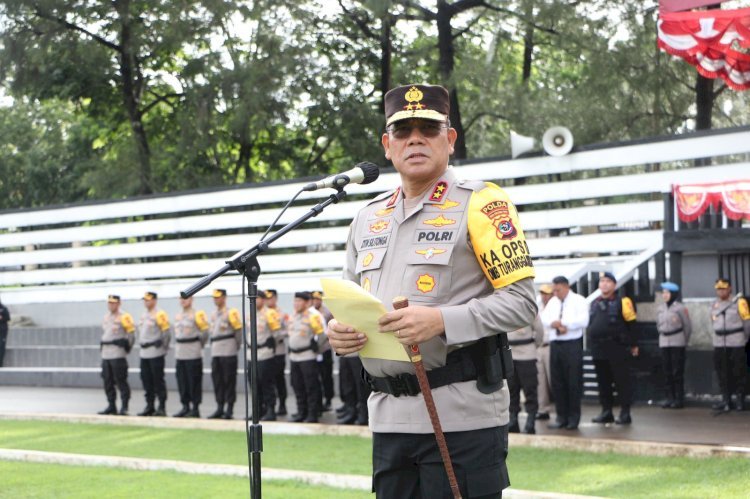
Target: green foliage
[210,93]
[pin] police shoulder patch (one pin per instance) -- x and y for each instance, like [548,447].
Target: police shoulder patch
[743,309]
[316,323]
[201,320]
[235,320]
[628,309]
[497,238]
[127,322]
[162,320]
[273,319]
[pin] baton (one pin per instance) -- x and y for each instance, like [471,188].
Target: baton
[415,356]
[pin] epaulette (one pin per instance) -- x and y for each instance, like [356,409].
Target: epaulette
[381,197]
[474,185]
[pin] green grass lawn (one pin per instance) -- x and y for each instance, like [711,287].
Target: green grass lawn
[27,480]
[573,472]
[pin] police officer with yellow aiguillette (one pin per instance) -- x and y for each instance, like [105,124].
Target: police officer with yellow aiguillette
[731,322]
[269,323]
[456,250]
[190,336]
[117,340]
[272,299]
[225,338]
[305,325]
[523,344]
[613,342]
[674,326]
[153,337]
[325,354]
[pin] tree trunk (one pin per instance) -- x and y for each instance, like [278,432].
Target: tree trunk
[704,102]
[386,51]
[131,95]
[528,46]
[445,66]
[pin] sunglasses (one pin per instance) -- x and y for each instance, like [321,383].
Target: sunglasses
[427,129]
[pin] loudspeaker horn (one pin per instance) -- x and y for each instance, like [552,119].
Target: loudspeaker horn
[520,144]
[557,141]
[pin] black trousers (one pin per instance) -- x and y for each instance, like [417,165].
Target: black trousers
[3,342]
[731,370]
[524,377]
[566,365]
[280,379]
[614,371]
[409,466]
[190,381]
[354,390]
[115,373]
[224,377]
[306,387]
[266,383]
[325,373]
[152,377]
[673,364]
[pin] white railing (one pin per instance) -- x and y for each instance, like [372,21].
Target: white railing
[79,252]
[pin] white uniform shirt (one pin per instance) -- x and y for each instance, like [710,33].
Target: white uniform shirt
[575,316]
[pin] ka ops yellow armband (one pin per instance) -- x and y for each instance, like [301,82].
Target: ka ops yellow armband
[628,310]
[316,324]
[162,320]
[497,237]
[743,309]
[273,319]
[234,319]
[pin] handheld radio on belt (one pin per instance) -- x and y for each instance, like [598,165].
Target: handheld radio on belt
[415,356]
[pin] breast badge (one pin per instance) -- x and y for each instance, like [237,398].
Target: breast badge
[379,226]
[430,252]
[384,212]
[439,221]
[425,283]
[367,260]
[366,284]
[447,205]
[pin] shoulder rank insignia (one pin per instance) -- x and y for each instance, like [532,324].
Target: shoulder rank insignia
[430,252]
[439,221]
[439,191]
[394,197]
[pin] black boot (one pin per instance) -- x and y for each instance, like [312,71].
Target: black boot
[624,417]
[605,416]
[124,408]
[349,416]
[160,411]
[513,424]
[282,409]
[194,412]
[110,409]
[218,413]
[530,427]
[667,404]
[740,405]
[182,413]
[363,416]
[228,413]
[724,406]
[297,418]
[148,410]
[270,415]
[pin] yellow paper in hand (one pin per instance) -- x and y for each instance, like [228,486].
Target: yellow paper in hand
[353,306]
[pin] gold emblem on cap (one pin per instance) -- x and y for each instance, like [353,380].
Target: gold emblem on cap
[413,96]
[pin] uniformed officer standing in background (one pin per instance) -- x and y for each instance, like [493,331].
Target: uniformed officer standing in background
[325,354]
[4,320]
[279,359]
[731,324]
[190,336]
[305,325]
[524,343]
[269,323]
[613,342]
[544,386]
[225,338]
[674,326]
[153,337]
[456,250]
[118,337]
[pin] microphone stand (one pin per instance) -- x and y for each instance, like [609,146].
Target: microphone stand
[246,263]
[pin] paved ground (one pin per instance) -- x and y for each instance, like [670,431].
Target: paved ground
[692,425]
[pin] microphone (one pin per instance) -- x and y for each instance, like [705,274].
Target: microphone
[362,173]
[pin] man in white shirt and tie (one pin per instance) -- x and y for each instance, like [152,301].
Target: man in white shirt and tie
[567,315]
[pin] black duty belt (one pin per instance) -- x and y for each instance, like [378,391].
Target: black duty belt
[222,337]
[525,341]
[459,367]
[120,343]
[730,331]
[670,333]
[156,343]
[188,340]
[300,350]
